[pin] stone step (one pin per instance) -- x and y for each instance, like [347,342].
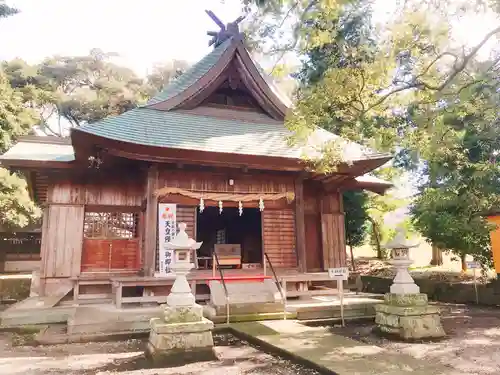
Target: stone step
[253,317]
[244,293]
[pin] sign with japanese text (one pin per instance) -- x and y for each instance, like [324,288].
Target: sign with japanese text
[339,273]
[167,229]
[472,265]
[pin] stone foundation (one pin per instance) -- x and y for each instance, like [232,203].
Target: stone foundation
[409,317]
[182,336]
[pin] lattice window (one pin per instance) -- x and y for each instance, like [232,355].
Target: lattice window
[220,236]
[111,225]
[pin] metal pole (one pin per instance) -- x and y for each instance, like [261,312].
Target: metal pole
[340,285]
[475,287]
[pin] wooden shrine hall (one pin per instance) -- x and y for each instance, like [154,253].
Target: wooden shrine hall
[212,148]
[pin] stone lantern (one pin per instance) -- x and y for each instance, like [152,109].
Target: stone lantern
[405,311]
[403,283]
[183,334]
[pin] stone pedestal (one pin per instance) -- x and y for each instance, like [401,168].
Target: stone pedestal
[409,317]
[183,336]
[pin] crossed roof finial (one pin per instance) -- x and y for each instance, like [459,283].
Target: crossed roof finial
[225,32]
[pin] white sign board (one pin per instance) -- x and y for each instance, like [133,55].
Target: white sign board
[339,273]
[472,265]
[167,229]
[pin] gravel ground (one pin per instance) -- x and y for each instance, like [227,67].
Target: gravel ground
[125,358]
[472,346]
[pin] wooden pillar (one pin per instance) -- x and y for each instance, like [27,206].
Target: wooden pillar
[333,230]
[300,228]
[151,221]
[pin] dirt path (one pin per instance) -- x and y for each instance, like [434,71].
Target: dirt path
[472,346]
[125,358]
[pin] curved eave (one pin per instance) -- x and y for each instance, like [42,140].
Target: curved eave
[85,144]
[36,164]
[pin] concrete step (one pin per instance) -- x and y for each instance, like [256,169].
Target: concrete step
[57,334]
[94,319]
[354,307]
[253,317]
[33,311]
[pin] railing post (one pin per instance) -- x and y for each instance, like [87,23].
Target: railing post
[215,261]
[213,265]
[278,285]
[265,264]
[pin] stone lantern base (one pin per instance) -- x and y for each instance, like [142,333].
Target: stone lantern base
[409,317]
[183,336]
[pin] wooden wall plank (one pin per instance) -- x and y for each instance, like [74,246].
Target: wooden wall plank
[62,240]
[333,231]
[210,181]
[187,214]
[278,237]
[110,255]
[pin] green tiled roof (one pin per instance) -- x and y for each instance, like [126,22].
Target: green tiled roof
[192,75]
[172,129]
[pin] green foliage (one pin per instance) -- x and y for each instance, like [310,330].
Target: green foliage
[6,11]
[162,74]
[17,210]
[356,222]
[409,87]
[15,118]
[16,207]
[84,89]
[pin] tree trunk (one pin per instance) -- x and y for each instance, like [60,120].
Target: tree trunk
[464,263]
[352,258]
[376,234]
[437,256]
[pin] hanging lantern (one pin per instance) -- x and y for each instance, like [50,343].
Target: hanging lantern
[261,204]
[240,208]
[220,207]
[202,205]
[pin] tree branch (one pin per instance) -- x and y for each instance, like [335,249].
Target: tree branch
[457,68]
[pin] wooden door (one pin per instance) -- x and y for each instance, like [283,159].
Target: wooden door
[314,253]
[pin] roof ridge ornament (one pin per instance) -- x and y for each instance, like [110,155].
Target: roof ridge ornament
[226,31]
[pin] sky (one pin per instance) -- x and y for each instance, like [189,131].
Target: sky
[142,33]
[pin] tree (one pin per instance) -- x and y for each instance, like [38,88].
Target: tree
[163,74]
[355,220]
[75,90]
[399,100]
[16,207]
[6,11]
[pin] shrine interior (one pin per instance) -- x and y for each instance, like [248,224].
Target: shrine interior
[229,228]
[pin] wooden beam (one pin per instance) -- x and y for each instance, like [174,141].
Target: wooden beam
[300,227]
[151,221]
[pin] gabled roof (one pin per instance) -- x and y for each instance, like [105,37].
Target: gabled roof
[174,126]
[173,120]
[191,76]
[210,72]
